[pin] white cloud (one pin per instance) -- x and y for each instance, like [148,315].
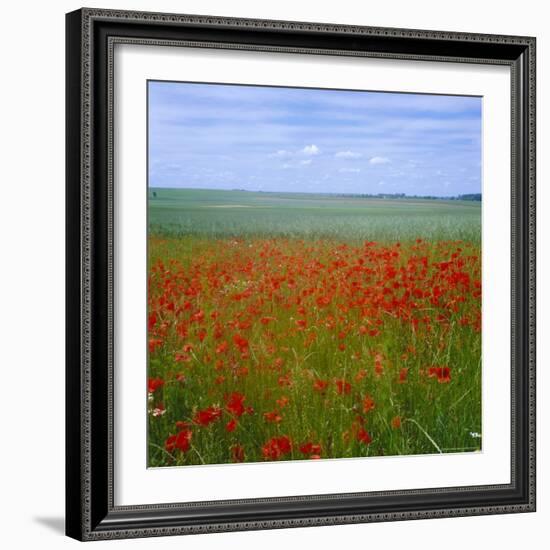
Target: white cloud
[348,155]
[381,183]
[281,153]
[308,161]
[311,150]
[349,170]
[379,160]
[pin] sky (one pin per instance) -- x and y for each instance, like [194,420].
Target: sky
[259,138]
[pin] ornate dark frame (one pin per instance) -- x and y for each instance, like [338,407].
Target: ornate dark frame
[90,510]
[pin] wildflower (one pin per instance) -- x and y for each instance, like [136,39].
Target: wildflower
[207,416]
[368,403]
[310,448]
[154,384]
[343,387]
[403,373]
[159,410]
[273,416]
[235,404]
[320,385]
[181,441]
[396,422]
[443,374]
[277,447]
[231,426]
[363,436]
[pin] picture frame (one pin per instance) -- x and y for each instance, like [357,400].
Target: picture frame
[91,331]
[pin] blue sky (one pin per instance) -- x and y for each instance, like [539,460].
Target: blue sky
[311,140]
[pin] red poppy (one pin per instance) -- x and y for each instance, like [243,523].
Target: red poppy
[234,405]
[285,380]
[320,385]
[310,448]
[277,447]
[403,373]
[396,422]
[363,436]
[343,387]
[222,348]
[154,343]
[207,416]
[240,342]
[283,401]
[368,403]
[273,416]
[267,320]
[181,441]
[360,375]
[154,384]
[231,425]
[443,374]
[323,301]
[198,316]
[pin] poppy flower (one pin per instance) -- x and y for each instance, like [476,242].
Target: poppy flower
[154,343]
[234,405]
[396,422]
[283,401]
[231,425]
[363,436]
[207,416]
[443,374]
[368,403]
[343,387]
[240,342]
[310,448]
[273,416]
[180,441]
[320,385]
[277,447]
[154,384]
[403,373]
[222,348]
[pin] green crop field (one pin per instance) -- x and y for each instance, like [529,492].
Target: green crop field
[213,213]
[289,326]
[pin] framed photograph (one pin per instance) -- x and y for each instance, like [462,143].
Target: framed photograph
[300,274]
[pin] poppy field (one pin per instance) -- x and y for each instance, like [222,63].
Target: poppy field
[303,327]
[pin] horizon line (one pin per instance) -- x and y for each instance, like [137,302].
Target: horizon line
[341,194]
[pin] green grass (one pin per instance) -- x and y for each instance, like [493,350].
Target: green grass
[215,213]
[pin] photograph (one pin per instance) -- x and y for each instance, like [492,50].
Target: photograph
[314,274]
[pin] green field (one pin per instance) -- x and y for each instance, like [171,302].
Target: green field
[213,213]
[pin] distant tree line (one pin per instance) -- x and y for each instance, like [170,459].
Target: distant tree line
[470,197]
[466,197]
